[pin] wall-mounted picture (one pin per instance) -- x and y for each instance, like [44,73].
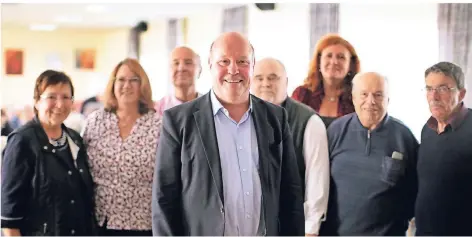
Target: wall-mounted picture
[85,58]
[14,62]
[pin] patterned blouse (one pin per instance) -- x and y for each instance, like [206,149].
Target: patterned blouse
[122,169]
[314,99]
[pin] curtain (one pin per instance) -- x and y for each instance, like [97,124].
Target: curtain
[235,19]
[455,39]
[133,43]
[324,19]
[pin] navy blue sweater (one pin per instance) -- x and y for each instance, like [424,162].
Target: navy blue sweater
[444,204]
[371,193]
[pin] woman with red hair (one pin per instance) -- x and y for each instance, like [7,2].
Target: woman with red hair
[327,87]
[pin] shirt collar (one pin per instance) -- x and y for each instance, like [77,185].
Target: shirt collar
[455,120]
[216,105]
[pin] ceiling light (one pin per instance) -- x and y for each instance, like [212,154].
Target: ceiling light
[43,27]
[96,8]
[68,19]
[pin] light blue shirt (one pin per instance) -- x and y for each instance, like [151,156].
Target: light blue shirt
[239,157]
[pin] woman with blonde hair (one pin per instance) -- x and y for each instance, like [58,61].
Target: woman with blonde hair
[327,87]
[122,142]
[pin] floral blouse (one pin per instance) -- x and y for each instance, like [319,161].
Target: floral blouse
[122,169]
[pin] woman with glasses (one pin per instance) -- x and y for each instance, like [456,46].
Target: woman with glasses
[121,142]
[46,185]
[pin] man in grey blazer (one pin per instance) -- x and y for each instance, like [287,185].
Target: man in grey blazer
[226,163]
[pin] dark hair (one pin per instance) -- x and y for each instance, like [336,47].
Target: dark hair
[450,70]
[50,78]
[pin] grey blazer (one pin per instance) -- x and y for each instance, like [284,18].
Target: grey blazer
[187,196]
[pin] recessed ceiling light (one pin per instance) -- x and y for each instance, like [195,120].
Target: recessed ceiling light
[68,19]
[96,8]
[43,27]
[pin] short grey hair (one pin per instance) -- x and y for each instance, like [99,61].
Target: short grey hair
[382,76]
[450,70]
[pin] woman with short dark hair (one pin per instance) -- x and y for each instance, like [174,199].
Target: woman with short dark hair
[46,185]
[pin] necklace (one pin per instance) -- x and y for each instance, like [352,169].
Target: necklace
[332,98]
[60,141]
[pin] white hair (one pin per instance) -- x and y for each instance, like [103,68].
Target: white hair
[359,75]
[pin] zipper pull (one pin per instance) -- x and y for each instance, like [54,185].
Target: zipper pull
[368,134]
[45,225]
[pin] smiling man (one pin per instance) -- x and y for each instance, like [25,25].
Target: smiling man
[186,68]
[373,166]
[225,163]
[309,137]
[444,202]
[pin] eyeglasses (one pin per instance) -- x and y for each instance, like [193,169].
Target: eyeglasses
[54,98]
[133,80]
[439,89]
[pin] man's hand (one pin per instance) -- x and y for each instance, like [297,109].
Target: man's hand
[11,232]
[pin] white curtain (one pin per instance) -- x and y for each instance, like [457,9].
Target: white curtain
[235,19]
[324,19]
[455,39]
[133,44]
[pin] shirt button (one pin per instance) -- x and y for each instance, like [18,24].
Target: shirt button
[244,170]
[72,231]
[248,216]
[53,151]
[81,170]
[72,201]
[247,193]
[240,147]
[45,147]
[69,172]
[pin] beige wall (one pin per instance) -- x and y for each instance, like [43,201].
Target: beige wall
[38,46]
[154,57]
[267,31]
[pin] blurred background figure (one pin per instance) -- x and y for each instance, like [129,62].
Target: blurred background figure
[90,105]
[186,68]
[6,127]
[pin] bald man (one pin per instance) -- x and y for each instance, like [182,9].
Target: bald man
[185,67]
[373,166]
[225,163]
[309,136]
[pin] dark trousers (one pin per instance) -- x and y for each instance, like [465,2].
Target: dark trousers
[111,232]
[104,231]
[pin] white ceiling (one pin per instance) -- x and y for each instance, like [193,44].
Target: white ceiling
[108,15]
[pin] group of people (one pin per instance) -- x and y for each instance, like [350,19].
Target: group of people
[244,159]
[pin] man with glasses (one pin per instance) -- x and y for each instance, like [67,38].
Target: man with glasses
[444,203]
[309,137]
[373,166]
